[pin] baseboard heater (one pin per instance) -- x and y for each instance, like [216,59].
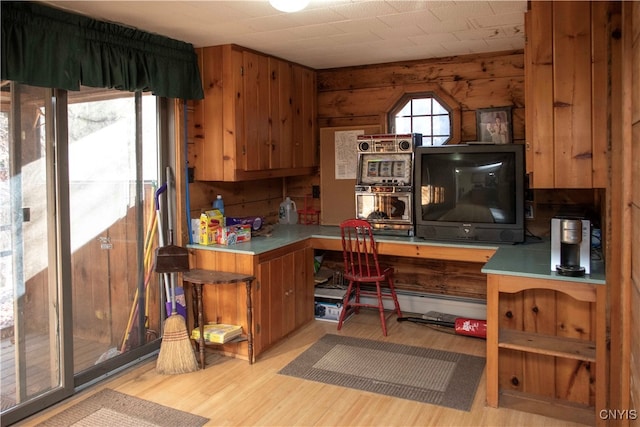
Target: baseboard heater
[421,303]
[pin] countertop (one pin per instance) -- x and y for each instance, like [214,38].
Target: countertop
[529,259]
[533,259]
[287,234]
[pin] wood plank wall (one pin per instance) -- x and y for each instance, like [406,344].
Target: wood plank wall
[633,9]
[363,95]
[623,205]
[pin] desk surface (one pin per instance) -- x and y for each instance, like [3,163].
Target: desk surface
[531,259]
[284,235]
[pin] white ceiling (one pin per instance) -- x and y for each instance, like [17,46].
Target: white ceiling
[328,33]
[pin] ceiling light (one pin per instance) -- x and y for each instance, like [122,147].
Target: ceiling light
[289,5]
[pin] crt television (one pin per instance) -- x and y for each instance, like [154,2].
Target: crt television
[471,193]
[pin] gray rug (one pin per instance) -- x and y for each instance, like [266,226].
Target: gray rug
[110,408]
[415,373]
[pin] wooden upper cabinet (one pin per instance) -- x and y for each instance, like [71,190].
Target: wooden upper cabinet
[258,117]
[281,155]
[304,117]
[566,96]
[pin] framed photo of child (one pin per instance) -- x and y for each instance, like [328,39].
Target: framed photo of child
[494,125]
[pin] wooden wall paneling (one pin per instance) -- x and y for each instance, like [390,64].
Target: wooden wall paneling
[619,219]
[451,278]
[486,93]
[482,93]
[528,90]
[572,94]
[241,198]
[330,122]
[540,101]
[600,100]
[454,68]
[633,9]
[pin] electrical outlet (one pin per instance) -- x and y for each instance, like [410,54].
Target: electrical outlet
[528,210]
[191,174]
[315,191]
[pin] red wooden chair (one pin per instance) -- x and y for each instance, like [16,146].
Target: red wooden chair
[361,267]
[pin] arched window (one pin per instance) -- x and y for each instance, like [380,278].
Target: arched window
[432,113]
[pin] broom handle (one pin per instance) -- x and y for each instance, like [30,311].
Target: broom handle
[159,191]
[170,218]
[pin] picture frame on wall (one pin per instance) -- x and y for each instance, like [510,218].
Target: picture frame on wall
[494,125]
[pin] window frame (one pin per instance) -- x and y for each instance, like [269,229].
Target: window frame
[429,91]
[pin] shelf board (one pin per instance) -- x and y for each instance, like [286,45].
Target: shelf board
[239,338]
[570,348]
[548,406]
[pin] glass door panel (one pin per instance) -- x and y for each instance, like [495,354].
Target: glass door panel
[30,297]
[115,308]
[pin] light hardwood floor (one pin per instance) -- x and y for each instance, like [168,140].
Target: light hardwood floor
[230,392]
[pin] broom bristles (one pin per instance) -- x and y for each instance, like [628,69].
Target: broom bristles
[176,353]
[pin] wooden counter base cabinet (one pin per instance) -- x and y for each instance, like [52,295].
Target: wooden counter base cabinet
[549,371]
[281,295]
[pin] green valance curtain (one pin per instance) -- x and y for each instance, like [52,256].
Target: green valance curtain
[44,46]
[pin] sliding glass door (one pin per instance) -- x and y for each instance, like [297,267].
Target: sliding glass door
[32,342]
[115,308]
[78,175]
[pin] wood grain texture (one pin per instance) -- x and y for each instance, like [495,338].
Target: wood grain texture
[539,74]
[227,384]
[572,94]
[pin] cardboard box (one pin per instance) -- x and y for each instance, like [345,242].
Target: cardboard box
[233,234]
[210,222]
[328,304]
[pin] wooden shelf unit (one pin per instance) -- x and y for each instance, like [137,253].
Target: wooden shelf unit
[547,345]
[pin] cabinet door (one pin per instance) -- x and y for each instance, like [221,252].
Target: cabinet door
[256,143]
[281,155]
[304,286]
[566,80]
[304,126]
[572,94]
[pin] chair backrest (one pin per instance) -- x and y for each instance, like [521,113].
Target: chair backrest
[359,249]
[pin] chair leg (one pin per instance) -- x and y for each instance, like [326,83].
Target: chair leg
[394,296]
[383,321]
[345,304]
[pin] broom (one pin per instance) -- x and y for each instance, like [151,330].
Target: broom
[176,352]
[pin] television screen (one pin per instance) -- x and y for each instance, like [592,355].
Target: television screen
[470,192]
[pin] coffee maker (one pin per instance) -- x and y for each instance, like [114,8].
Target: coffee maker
[570,246]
